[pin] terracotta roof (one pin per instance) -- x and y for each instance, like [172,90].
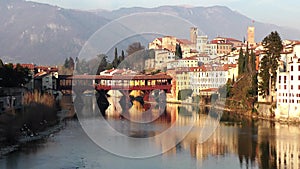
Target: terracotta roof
[40,74]
[184,41]
[210,90]
[205,68]
[29,66]
[120,77]
[190,58]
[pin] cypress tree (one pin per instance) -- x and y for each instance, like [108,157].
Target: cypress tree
[253,61]
[246,60]
[116,61]
[178,52]
[241,62]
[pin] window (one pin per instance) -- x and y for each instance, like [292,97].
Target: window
[292,77]
[298,87]
[280,79]
[285,86]
[292,87]
[299,68]
[284,79]
[292,68]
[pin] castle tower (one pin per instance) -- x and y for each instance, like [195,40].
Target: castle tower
[251,35]
[194,35]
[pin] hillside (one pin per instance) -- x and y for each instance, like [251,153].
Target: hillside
[44,34]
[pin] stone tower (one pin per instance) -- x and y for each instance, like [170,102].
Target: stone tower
[193,36]
[251,35]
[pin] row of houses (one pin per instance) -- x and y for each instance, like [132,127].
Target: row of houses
[44,79]
[207,65]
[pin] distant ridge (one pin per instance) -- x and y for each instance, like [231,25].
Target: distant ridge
[38,33]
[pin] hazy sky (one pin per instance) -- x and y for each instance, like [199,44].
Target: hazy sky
[279,12]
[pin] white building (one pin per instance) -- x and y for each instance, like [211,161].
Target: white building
[211,77]
[288,85]
[201,45]
[185,62]
[162,57]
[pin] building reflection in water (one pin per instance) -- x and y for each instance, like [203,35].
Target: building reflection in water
[255,143]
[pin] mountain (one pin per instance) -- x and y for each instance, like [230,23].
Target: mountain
[213,21]
[45,34]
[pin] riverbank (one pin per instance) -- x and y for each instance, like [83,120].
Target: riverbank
[248,113]
[40,117]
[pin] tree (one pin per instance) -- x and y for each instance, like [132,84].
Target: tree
[265,77]
[178,52]
[253,61]
[14,77]
[103,63]
[134,47]
[71,63]
[241,61]
[269,64]
[82,66]
[116,60]
[246,60]
[122,57]
[1,64]
[66,64]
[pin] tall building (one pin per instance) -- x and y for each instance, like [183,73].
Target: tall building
[288,86]
[201,45]
[251,35]
[194,34]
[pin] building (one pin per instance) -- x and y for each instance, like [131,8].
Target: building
[201,45]
[169,43]
[162,57]
[182,63]
[46,81]
[221,46]
[11,99]
[251,36]
[288,85]
[194,36]
[207,79]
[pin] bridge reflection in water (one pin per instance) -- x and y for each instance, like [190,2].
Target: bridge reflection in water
[237,143]
[257,144]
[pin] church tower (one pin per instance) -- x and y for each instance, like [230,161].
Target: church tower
[251,35]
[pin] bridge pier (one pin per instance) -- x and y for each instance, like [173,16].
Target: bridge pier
[126,100]
[102,101]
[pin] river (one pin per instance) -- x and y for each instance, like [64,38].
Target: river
[236,142]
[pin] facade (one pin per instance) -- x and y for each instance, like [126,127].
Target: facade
[223,47]
[210,77]
[182,63]
[203,80]
[46,81]
[201,45]
[288,86]
[162,57]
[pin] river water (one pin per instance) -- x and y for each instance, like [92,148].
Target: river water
[235,142]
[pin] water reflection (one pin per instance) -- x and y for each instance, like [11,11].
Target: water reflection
[237,143]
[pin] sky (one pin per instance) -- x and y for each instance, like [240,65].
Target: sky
[279,12]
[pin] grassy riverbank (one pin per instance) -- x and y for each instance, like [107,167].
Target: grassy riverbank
[39,112]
